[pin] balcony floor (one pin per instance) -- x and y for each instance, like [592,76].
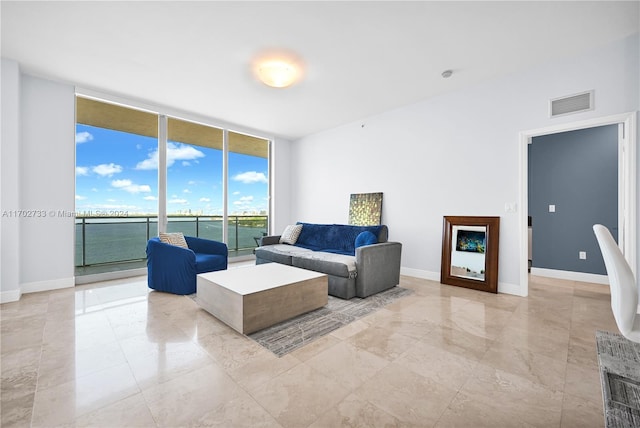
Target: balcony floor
[141,264]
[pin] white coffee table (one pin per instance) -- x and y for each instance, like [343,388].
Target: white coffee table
[251,298]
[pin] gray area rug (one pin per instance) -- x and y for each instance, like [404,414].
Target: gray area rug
[619,361]
[292,334]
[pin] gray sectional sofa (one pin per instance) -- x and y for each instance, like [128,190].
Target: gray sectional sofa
[331,248]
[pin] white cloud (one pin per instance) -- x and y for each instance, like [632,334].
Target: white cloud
[121,183]
[186,191]
[236,193]
[107,169]
[138,188]
[205,200]
[244,201]
[150,163]
[178,201]
[93,189]
[80,198]
[175,152]
[82,170]
[191,182]
[186,163]
[150,198]
[130,187]
[83,137]
[182,152]
[250,177]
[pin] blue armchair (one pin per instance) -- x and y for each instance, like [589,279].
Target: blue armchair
[173,269]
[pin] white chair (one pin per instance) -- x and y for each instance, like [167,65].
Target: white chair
[624,290]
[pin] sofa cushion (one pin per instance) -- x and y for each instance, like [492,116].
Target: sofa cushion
[210,262]
[334,238]
[329,263]
[365,238]
[291,234]
[279,253]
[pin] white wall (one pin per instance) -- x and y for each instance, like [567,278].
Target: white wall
[457,154]
[9,182]
[47,184]
[38,182]
[281,190]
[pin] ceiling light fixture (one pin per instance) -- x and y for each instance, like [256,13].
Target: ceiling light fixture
[277,73]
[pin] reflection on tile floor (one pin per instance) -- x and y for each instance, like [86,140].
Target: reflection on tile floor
[115,354]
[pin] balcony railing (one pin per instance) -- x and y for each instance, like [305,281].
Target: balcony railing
[106,240]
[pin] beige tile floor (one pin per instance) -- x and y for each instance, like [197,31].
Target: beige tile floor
[115,354]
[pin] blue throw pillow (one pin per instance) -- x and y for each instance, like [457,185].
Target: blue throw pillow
[366,238]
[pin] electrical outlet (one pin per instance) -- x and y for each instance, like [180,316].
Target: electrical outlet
[583,255]
[552,208]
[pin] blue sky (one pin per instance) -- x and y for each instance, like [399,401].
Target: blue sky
[117,171]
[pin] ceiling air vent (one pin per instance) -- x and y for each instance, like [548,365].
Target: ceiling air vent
[571,104]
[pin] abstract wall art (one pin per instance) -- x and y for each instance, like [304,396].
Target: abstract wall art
[365,209]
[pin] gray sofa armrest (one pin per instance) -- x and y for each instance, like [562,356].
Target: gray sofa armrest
[378,267]
[270,240]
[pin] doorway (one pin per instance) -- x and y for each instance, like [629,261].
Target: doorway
[627,184]
[573,182]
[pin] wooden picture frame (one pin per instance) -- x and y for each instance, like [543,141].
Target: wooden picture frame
[470,252]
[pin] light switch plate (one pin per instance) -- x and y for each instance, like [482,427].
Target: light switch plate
[582,255]
[552,208]
[510,207]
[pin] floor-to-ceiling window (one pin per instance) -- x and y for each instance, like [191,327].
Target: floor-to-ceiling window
[134,167]
[116,196]
[248,190]
[194,179]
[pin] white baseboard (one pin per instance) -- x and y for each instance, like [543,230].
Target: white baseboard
[419,273]
[109,276]
[10,296]
[503,287]
[571,276]
[54,284]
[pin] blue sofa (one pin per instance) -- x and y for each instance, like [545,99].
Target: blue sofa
[331,249]
[173,269]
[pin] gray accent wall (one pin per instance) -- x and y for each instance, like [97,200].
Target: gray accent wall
[576,171]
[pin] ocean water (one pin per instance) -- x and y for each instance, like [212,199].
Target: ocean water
[116,240]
